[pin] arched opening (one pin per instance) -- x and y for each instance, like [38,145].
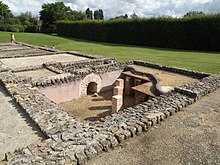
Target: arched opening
[90,84]
[92,88]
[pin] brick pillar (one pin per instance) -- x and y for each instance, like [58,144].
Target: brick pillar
[128,86]
[120,83]
[117,99]
[117,102]
[118,91]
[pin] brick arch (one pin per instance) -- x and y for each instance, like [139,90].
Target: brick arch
[88,79]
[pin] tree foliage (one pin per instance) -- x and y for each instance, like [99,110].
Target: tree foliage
[98,14]
[23,22]
[194,14]
[120,17]
[5,12]
[53,12]
[134,15]
[89,14]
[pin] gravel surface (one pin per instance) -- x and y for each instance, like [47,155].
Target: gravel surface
[93,108]
[191,137]
[16,128]
[166,78]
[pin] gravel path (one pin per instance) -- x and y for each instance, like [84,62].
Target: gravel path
[16,128]
[191,137]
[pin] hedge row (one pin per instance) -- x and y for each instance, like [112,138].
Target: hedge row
[196,33]
[19,28]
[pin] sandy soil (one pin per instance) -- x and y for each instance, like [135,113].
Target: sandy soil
[16,128]
[166,78]
[191,137]
[93,108]
[38,60]
[36,73]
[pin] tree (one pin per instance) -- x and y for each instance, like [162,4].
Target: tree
[30,23]
[120,17]
[53,12]
[5,12]
[89,14]
[134,15]
[98,14]
[193,14]
[25,18]
[78,15]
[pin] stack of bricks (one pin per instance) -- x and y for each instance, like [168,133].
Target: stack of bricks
[117,99]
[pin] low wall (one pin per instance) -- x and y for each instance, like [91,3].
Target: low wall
[190,73]
[62,93]
[69,91]
[72,142]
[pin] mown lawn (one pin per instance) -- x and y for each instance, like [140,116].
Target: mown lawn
[194,60]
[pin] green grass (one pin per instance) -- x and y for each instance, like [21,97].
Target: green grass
[194,60]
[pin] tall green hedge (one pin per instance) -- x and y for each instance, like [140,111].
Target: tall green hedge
[196,33]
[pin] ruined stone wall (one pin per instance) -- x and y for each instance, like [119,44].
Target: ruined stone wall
[71,67]
[77,74]
[62,93]
[70,141]
[153,79]
[45,51]
[29,55]
[73,90]
[190,73]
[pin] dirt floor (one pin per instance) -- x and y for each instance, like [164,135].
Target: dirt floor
[93,108]
[38,60]
[16,128]
[166,78]
[190,137]
[36,73]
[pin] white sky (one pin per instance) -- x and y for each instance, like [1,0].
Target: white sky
[113,8]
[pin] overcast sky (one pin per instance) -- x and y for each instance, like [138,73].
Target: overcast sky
[113,8]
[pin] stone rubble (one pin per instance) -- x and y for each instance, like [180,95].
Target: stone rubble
[70,141]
